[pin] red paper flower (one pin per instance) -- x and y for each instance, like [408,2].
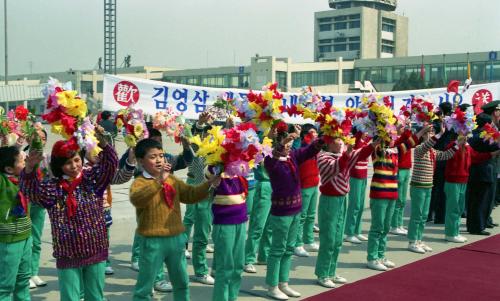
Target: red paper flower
[282,127]
[64,149]
[21,113]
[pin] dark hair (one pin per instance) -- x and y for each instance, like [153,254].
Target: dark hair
[143,147]
[305,129]
[8,156]
[445,108]
[483,119]
[105,115]
[154,132]
[463,107]
[56,163]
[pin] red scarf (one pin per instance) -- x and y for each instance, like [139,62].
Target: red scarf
[22,198]
[69,187]
[169,194]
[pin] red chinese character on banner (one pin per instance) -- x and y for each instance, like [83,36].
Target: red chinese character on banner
[126,93]
[480,98]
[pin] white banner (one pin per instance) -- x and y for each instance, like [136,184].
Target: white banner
[153,96]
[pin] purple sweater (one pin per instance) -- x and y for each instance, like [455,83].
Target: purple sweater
[286,198]
[229,207]
[80,240]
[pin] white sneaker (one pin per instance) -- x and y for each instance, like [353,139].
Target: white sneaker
[32,284]
[362,237]
[415,248]
[163,286]
[425,247]
[38,281]
[462,237]
[326,282]
[353,240]
[314,247]
[301,252]
[249,268]
[134,266]
[403,230]
[204,279]
[397,231]
[210,249]
[388,263]
[376,265]
[109,271]
[339,279]
[187,254]
[315,229]
[283,286]
[456,239]
[275,293]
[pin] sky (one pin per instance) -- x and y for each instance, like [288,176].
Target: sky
[56,35]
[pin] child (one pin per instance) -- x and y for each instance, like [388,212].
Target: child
[421,186]
[285,208]
[157,194]
[309,181]
[15,228]
[383,196]
[230,216]
[73,201]
[357,194]
[335,167]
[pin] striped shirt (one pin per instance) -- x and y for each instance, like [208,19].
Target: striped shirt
[384,183]
[335,170]
[425,162]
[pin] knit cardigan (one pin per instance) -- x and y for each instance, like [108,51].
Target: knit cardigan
[425,162]
[13,227]
[154,216]
[80,240]
[384,183]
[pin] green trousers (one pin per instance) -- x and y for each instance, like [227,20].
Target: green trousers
[332,211]
[260,212]
[37,215]
[420,202]
[282,246]
[403,181]
[356,198]
[250,200]
[265,242]
[455,204]
[201,221]
[305,233]
[90,278]
[15,266]
[229,243]
[154,252]
[381,211]
[136,251]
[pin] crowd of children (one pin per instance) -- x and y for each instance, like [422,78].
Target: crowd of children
[263,218]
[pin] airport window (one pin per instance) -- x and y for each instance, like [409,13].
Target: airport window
[325,20]
[340,47]
[348,76]
[354,24]
[325,48]
[353,39]
[86,87]
[340,25]
[354,46]
[314,78]
[99,86]
[325,41]
[281,80]
[354,17]
[388,42]
[388,25]
[340,18]
[387,49]
[325,27]
[340,40]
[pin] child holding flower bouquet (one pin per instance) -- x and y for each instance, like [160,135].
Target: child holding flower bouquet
[76,214]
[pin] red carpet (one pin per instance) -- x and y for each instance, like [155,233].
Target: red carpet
[457,274]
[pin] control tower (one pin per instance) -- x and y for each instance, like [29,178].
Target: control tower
[360,29]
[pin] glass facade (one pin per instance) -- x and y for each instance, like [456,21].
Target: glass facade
[340,22]
[281,80]
[314,78]
[388,25]
[216,81]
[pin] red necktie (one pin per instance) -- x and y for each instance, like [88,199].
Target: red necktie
[22,198]
[69,187]
[169,194]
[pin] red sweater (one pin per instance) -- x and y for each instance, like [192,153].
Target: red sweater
[360,170]
[457,168]
[309,173]
[404,159]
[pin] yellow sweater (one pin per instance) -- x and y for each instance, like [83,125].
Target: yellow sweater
[154,217]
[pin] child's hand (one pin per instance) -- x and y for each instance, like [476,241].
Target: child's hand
[34,158]
[131,156]
[99,133]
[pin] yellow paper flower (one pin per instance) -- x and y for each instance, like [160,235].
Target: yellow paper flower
[138,130]
[64,97]
[130,141]
[119,123]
